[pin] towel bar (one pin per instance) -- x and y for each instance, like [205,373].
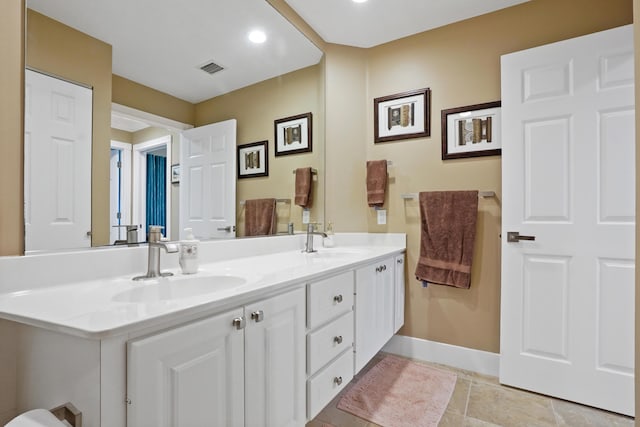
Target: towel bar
[313,171]
[287,201]
[409,196]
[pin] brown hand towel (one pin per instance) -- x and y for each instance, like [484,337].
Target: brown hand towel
[303,187]
[260,217]
[448,221]
[376,182]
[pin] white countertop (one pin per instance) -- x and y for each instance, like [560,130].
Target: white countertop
[117,305]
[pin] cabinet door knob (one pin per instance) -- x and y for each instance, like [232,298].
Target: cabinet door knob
[399,260]
[337,380]
[338,298]
[384,267]
[258,315]
[239,322]
[338,339]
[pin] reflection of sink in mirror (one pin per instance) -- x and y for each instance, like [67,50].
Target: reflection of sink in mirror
[169,289]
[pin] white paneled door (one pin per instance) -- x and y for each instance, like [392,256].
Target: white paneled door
[57,163]
[568,165]
[208,181]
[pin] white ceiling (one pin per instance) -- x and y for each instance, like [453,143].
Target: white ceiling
[379,21]
[162,43]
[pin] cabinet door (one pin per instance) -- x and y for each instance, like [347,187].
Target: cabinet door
[275,361]
[188,376]
[399,293]
[374,309]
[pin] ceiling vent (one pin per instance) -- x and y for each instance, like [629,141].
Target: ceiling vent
[211,68]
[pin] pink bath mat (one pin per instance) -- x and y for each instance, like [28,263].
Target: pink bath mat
[397,392]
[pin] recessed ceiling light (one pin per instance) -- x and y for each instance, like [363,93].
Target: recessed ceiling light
[257,36]
[359,1]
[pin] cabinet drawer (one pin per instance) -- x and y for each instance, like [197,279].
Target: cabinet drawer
[329,341]
[329,298]
[328,382]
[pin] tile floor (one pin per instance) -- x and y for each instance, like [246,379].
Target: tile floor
[480,401]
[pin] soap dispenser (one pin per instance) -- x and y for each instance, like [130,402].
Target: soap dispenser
[189,253]
[328,242]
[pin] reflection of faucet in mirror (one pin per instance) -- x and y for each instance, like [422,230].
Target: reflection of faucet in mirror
[132,235]
[153,262]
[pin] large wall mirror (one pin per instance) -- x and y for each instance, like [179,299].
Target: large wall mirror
[148,68]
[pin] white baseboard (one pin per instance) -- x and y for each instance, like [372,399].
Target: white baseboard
[479,361]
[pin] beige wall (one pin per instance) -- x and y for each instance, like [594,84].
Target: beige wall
[11,127]
[144,98]
[461,65]
[70,54]
[255,108]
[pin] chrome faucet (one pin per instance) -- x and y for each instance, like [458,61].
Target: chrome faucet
[153,262]
[310,233]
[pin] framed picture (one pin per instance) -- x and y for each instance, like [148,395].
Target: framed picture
[175,174]
[402,116]
[471,131]
[293,134]
[253,160]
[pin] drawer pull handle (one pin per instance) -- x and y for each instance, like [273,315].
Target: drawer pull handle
[338,339]
[338,298]
[239,322]
[258,316]
[337,380]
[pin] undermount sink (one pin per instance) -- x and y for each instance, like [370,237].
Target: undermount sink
[170,288]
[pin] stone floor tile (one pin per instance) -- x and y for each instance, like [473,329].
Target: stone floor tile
[459,398]
[573,414]
[509,407]
[450,419]
[339,418]
[472,422]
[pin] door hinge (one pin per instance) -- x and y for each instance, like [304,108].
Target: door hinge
[119,165]
[118,215]
[127,400]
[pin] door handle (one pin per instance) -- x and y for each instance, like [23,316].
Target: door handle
[514,237]
[227,229]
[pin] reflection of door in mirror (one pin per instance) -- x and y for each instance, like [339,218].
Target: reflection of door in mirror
[120,191]
[208,181]
[58,117]
[152,185]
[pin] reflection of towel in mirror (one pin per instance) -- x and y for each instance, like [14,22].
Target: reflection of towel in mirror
[448,220]
[260,217]
[376,182]
[303,187]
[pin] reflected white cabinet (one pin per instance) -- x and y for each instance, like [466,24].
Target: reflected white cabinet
[399,293]
[242,367]
[374,308]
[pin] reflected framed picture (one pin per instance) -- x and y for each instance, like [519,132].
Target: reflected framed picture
[175,174]
[471,131]
[402,116]
[293,134]
[253,159]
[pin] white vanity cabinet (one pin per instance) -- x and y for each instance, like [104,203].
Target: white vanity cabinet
[243,367]
[374,309]
[399,293]
[330,339]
